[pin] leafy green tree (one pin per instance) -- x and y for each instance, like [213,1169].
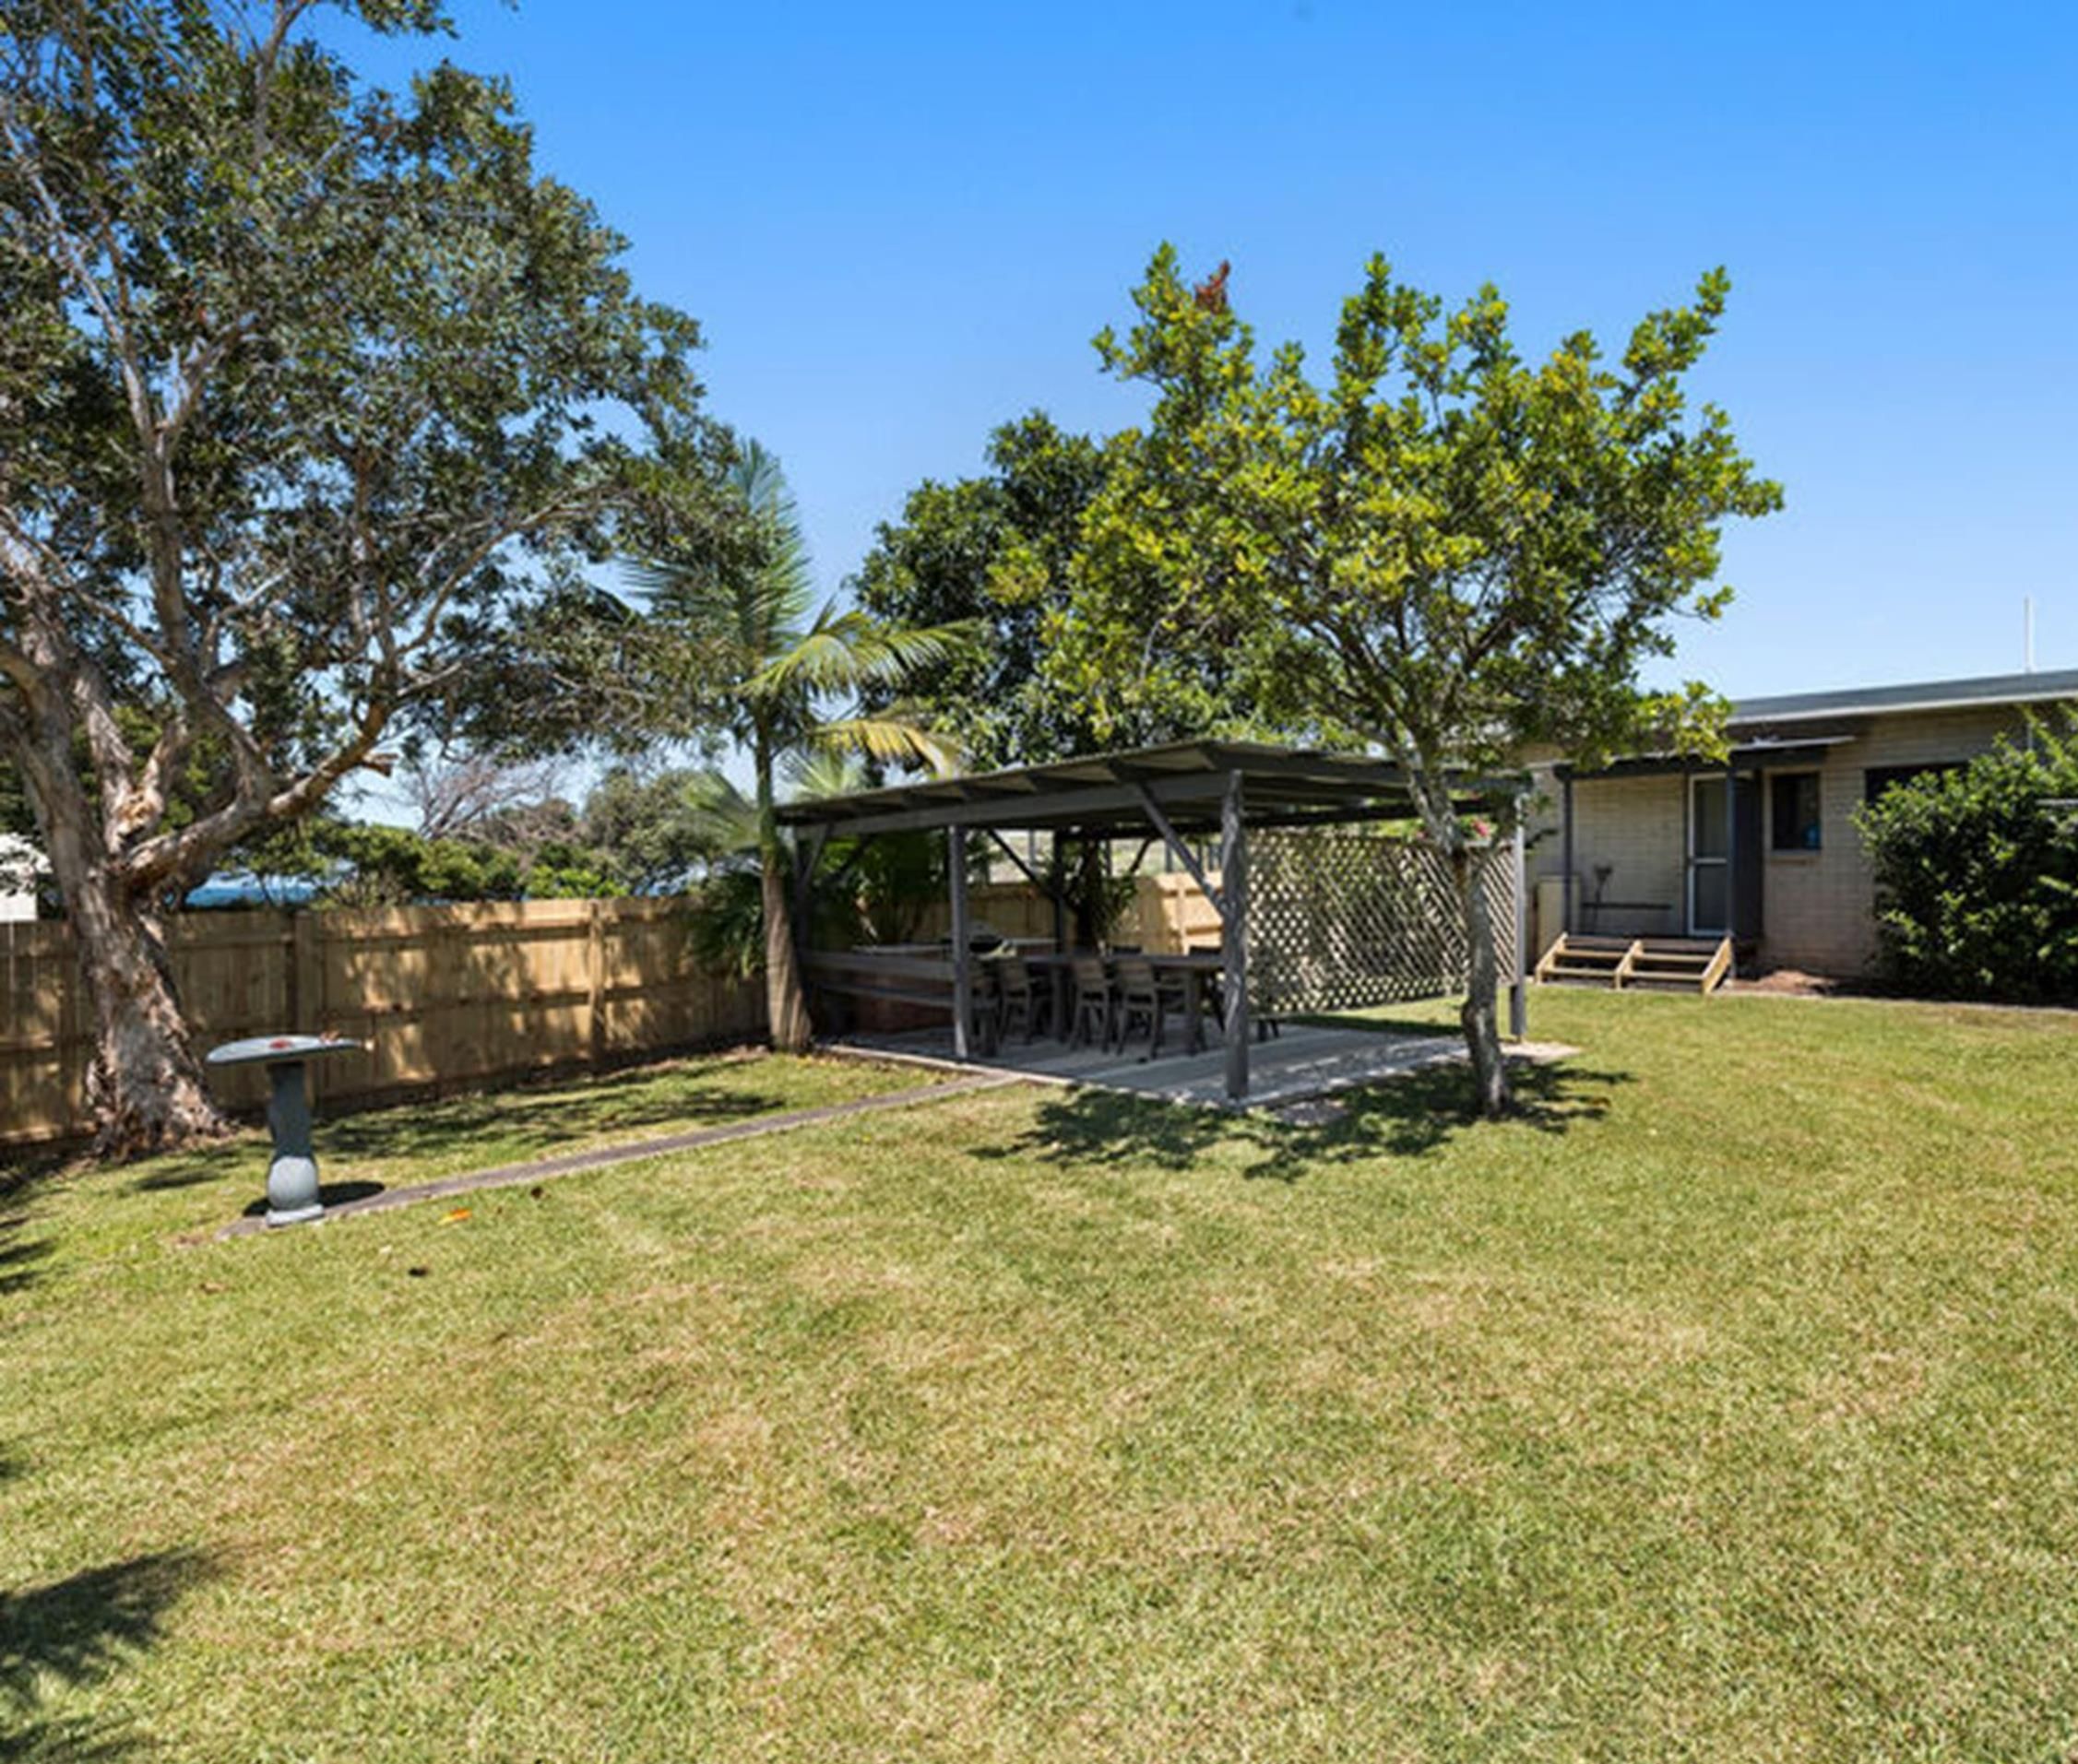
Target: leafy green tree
[658,831]
[997,553]
[1976,874]
[304,388]
[783,680]
[1442,551]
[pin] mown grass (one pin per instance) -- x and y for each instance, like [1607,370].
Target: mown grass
[1719,1407]
[400,1145]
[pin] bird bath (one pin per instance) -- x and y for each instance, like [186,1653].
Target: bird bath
[292,1173]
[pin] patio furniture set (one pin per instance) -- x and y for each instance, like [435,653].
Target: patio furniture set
[1086,998]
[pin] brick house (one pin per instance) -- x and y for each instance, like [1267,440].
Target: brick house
[1763,848]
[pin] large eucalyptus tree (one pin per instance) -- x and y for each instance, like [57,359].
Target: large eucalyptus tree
[305,389]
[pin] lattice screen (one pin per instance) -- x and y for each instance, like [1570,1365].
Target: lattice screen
[1340,919]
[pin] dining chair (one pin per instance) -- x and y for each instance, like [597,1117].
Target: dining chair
[1173,987]
[1021,1004]
[1139,999]
[1093,1000]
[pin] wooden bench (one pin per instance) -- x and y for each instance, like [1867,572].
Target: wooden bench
[903,977]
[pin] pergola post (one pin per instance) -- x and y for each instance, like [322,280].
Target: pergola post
[1233,934]
[963,959]
[808,853]
[1518,984]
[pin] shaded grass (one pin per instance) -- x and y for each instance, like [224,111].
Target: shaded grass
[1720,1408]
[380,1148]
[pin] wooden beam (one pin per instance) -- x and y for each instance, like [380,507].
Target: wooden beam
[1233,934]
[1180,851]
[1030,874]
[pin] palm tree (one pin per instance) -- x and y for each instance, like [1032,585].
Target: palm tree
[783,680]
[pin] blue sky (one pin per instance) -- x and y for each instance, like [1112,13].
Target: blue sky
[901,225]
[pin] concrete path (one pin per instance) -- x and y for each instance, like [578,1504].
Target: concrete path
[508,1176]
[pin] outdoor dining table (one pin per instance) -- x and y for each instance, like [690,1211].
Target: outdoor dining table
[1200,964]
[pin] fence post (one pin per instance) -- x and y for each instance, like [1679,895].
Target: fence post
[595,977]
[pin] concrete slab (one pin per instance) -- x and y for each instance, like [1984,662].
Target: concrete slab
[1306,1061]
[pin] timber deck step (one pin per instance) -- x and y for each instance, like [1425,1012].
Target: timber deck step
[1688,963]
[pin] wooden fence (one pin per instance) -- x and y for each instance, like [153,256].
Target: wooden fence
[1169,914]
[446,995]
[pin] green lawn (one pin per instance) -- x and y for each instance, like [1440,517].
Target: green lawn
[1722,1407]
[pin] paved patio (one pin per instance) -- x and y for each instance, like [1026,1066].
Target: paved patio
[1305,1062]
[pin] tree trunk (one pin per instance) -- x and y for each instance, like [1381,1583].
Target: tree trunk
[144,1086]
[1480,1016]
[786,1005]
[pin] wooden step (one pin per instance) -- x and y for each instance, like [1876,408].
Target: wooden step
[1660,964]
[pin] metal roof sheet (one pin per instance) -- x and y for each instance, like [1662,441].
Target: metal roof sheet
[1102,790]
[1924,695]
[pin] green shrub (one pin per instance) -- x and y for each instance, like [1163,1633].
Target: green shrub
[1976,874]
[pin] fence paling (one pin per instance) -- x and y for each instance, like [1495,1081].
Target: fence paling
[447,995]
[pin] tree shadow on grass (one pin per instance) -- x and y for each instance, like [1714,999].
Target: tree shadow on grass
[18,1255]
[20,1251]
[513,1124]
[1411,1114]
[79,1631]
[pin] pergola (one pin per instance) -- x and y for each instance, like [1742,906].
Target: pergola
[1170,792]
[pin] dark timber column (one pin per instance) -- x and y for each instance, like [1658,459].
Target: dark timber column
[1518,982]
[963,960]
[1233,934]
[1565,862]
[1747,865]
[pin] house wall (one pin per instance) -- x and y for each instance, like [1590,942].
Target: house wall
[1635,828]
[1818,907]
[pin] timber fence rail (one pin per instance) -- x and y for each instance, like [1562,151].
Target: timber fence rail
[446,996]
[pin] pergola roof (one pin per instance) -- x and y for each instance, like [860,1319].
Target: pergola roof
[1107,793]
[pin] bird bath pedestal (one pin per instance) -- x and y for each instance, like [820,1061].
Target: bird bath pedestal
[292,1173]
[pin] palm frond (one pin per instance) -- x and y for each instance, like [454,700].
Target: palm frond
[845,650]
[821,772]
[895,740]
[725,819]
[756,608]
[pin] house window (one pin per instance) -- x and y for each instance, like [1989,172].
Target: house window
[1879,778]
[1794,810]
